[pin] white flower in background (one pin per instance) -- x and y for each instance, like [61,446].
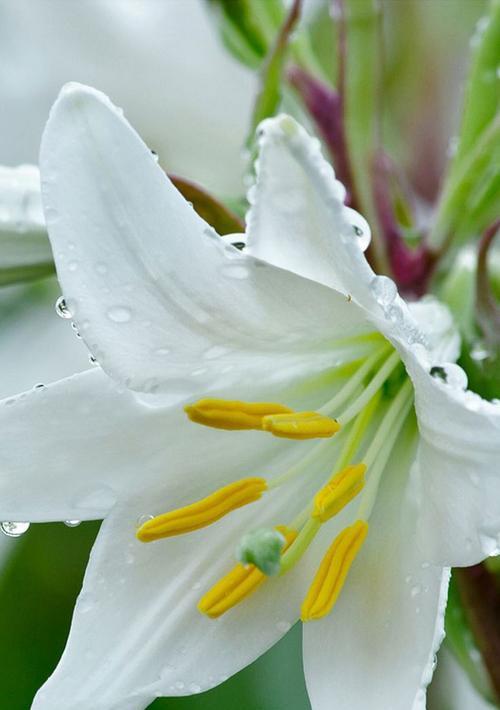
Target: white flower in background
[162,61]
[296,337]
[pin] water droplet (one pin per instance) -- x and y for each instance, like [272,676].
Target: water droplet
[85,603]
[194,688]
[155,155]
[72,265]
[62,309]
[144,519]
[72,523]
[283,626]
[384,289]
[408,578]
[415,590]
[451,374]
[75,329]
[119,314]
[196,585]
[92,360]
[39,386]
[14,529]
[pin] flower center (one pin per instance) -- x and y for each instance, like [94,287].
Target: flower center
[368,411]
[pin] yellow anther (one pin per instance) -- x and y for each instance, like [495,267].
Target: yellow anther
[237,584]
[332,572]
[300,425]
[338,492]
[203,512]
[228,414]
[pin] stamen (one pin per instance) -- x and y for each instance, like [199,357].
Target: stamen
[232,414]
[332,572]
[338,492]
[300,425]
[203,512]
[237,584]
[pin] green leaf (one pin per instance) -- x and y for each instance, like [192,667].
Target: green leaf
[269,97]
[469,198]
[247,27]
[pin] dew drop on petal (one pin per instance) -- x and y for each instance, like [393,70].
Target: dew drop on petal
[72,523]
[62,309]
[119,314]
[194,688]
[144,519]
[384,289]
[14,529]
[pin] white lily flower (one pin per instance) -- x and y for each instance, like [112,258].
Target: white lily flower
[174,313]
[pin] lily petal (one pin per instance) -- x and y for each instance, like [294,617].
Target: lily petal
[389,621]
[456,478]
[93,443]
[298,220]
[167,646]
[155,292]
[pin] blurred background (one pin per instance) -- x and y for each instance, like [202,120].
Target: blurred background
[164,63]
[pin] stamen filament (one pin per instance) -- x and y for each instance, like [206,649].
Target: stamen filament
[203,512]
[376,383]
[378,453]
[351,444]
[332,572]
[357,379]
[290,558]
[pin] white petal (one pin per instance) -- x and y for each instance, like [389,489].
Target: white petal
[137,633]
[298,220]
[377,646]
[29,325]
[92,443]
[155,293]
[456,478]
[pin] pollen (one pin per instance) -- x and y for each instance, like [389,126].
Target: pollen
[300,425]
[332,572]
[338,492]
[232,414]
[237,584]
[203,512]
